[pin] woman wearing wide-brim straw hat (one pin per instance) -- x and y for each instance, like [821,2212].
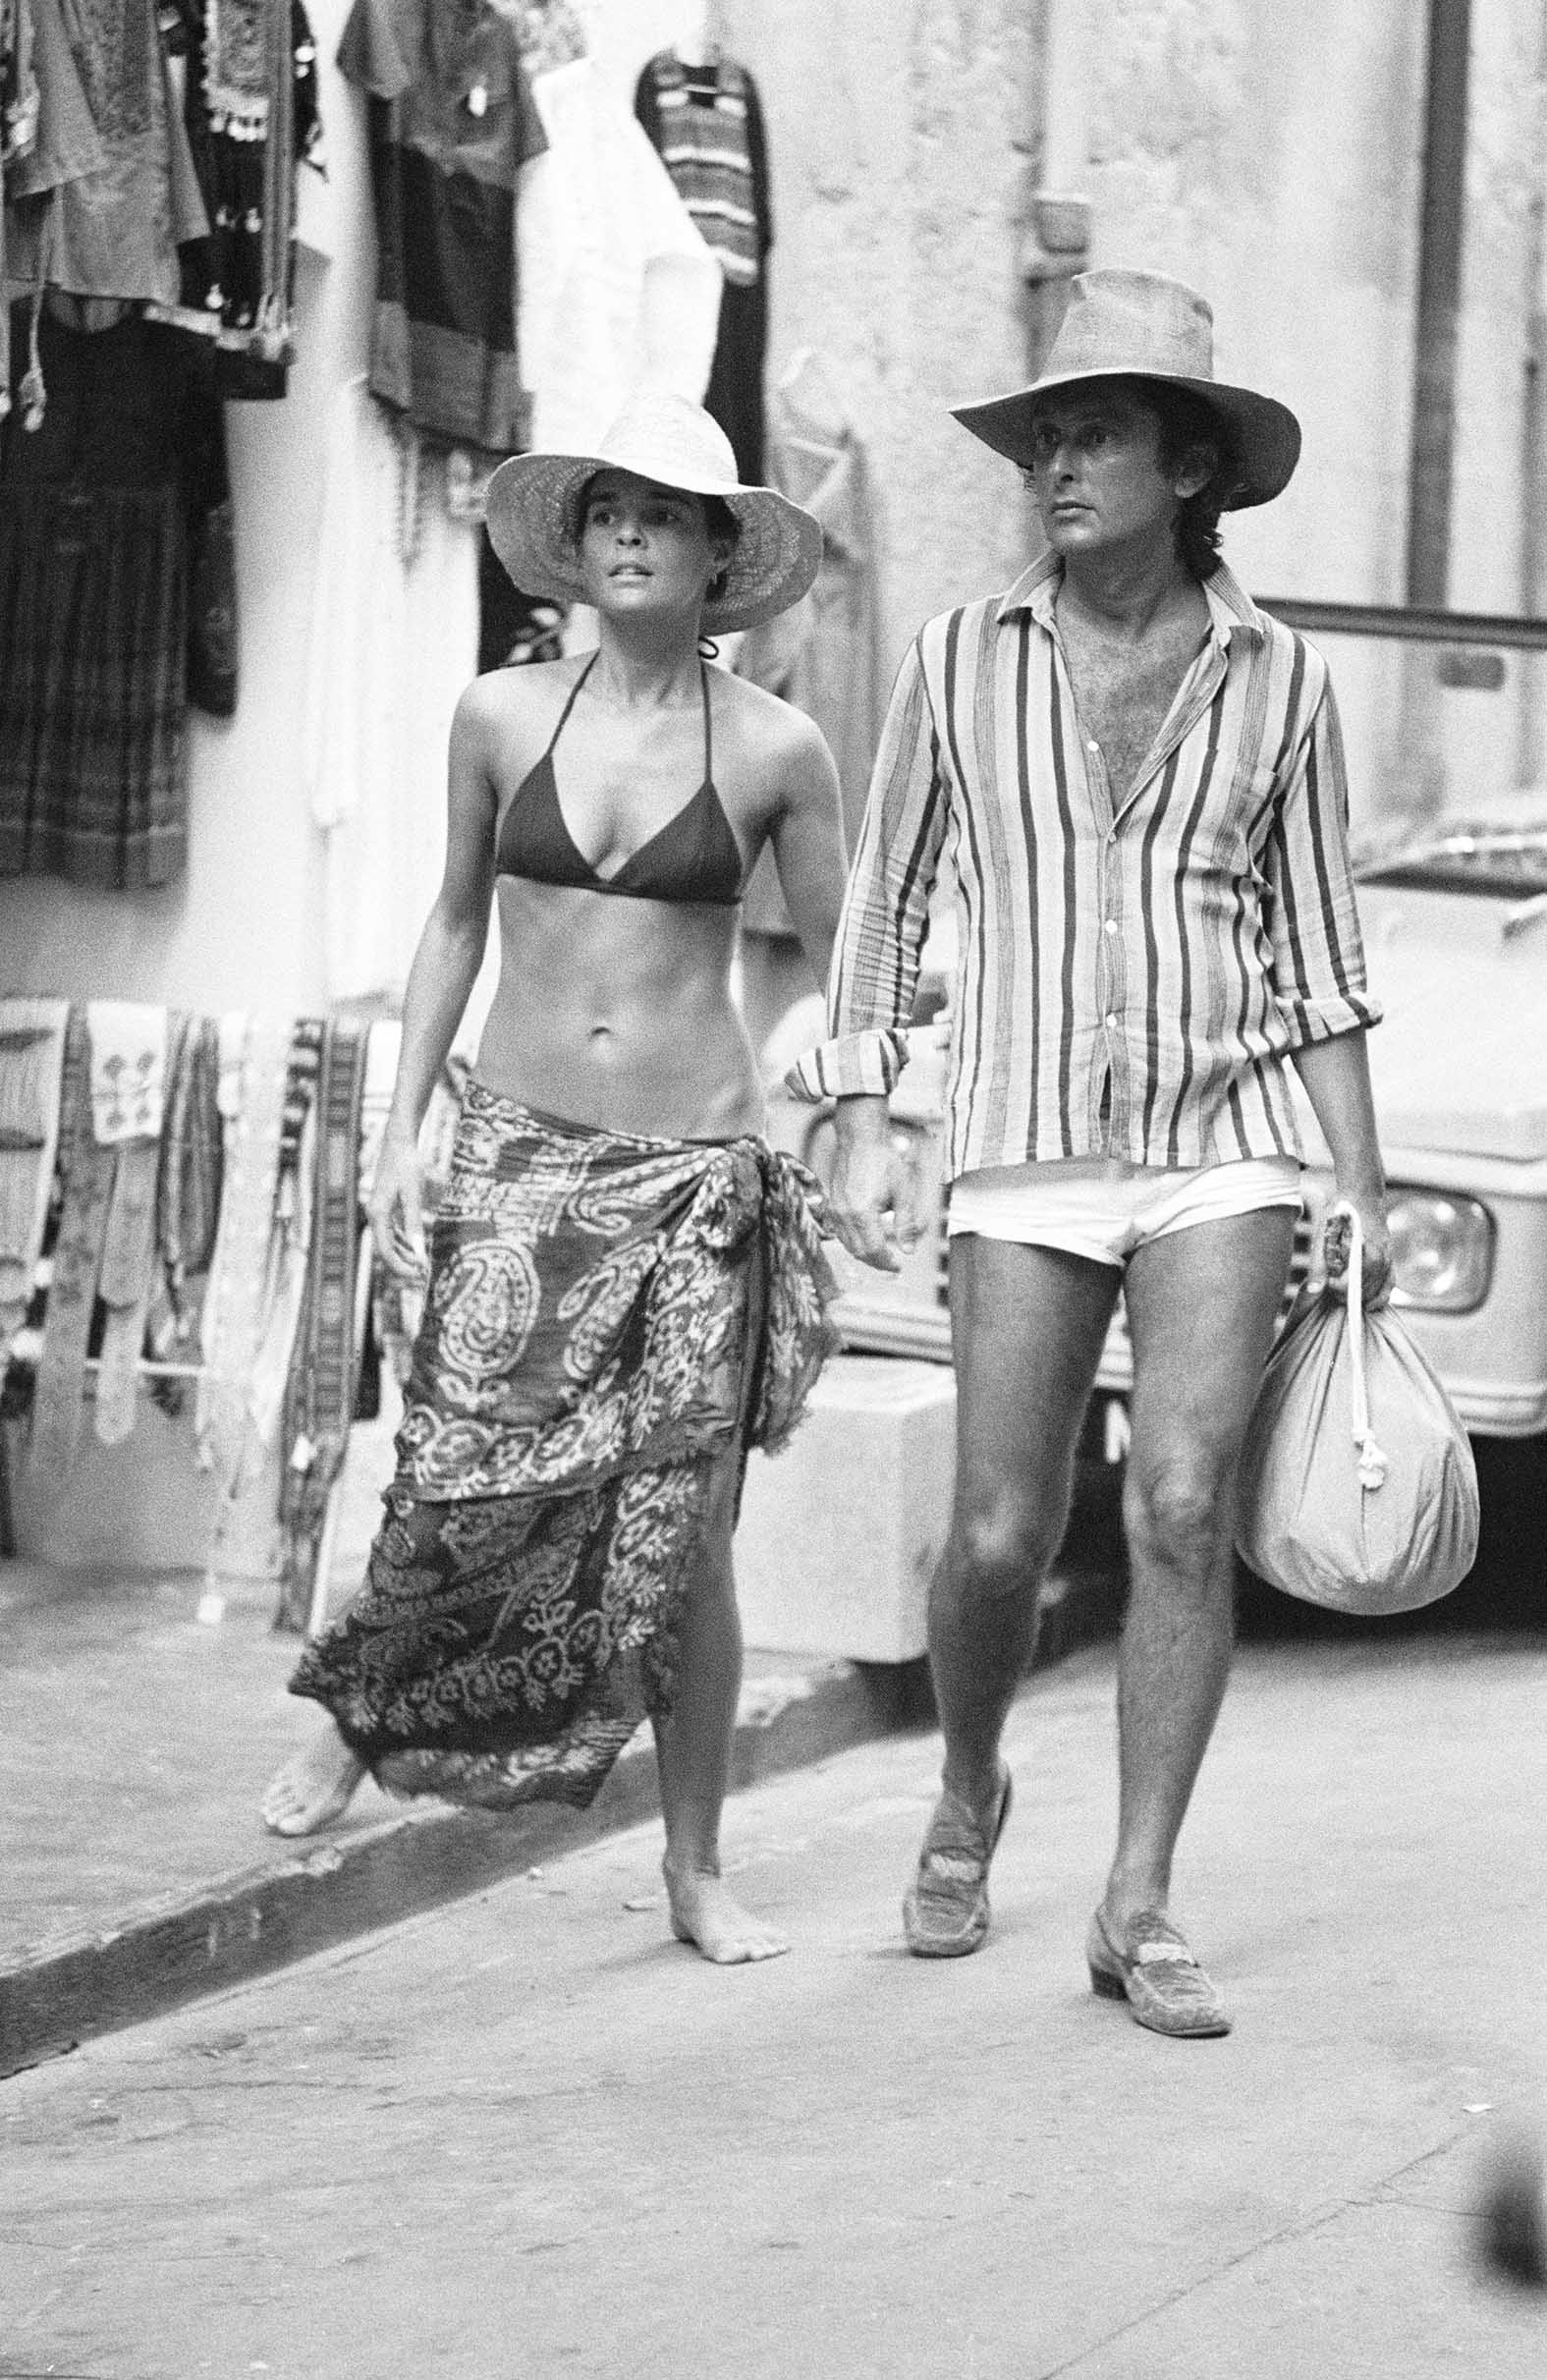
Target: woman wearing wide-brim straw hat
[625,1286]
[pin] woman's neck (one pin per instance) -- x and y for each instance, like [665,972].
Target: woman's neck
[645,673]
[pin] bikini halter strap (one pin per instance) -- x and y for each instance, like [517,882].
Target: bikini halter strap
[570,704]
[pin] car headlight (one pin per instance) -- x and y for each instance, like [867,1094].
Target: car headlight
[1441,1251]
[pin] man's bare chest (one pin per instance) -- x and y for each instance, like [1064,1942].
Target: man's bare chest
[1125,694]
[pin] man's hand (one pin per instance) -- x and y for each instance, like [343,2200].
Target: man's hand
[874,1203]
[1338,1241]
[394,1212]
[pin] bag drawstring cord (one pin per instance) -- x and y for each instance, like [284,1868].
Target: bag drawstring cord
[1372,1463]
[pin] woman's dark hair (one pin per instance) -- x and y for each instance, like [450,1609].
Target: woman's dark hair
[718,520]
[1188,422]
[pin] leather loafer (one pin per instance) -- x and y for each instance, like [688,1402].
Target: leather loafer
[945,1915]
[1155,1972]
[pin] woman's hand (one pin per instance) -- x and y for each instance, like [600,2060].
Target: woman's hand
[395,1209]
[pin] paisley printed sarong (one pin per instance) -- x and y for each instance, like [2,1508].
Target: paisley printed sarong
[606,1317]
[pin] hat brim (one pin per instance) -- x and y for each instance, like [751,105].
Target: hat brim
[1264,435]
[531,521]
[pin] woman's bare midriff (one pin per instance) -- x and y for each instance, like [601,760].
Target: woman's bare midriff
[618,1013]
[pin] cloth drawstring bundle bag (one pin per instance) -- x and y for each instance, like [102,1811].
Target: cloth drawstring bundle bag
[1358,1486]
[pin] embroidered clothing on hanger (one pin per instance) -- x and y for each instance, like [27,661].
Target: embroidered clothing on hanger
[249,109]
[451,122]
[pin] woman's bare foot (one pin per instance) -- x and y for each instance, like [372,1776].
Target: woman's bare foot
[704,1914]
[314,1787]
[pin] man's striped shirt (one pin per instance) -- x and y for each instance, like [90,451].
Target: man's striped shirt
[1129,975]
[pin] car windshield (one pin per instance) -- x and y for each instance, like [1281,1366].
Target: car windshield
[1477,857]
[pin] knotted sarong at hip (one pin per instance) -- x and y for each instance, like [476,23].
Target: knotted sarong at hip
[606,1317]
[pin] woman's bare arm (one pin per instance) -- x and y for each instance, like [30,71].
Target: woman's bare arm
[807,839]
[440,980]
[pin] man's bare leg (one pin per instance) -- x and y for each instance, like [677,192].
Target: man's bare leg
[1201,1306]
[1027,1326]
[694,1754]
[314,1786]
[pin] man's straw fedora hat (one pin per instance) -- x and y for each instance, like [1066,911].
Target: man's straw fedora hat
[1128,325]
[533,500]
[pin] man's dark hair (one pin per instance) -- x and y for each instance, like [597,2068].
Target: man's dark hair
[1188,422]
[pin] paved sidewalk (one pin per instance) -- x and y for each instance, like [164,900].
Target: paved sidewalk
[135,1744]
[530,2136]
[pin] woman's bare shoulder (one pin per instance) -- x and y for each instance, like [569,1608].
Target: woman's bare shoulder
[526,690]
[762,721]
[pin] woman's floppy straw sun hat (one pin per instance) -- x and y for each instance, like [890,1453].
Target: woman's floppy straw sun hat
[1122,324]
[533,500]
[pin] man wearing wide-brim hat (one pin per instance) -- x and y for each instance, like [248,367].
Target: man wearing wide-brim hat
[1138,780]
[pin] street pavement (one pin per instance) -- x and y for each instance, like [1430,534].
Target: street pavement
[527,2136]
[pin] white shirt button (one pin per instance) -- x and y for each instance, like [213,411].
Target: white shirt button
[1111,1025]
[1093,745]
[1111,925]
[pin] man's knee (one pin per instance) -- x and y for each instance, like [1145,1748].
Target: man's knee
[1001,1549]
[1177,1510]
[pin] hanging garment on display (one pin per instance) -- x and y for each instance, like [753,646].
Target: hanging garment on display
[451,122]
[707,122]
[126,1075]
[319,1392]
[113,229]
[290,1235]
[616,284]
[249,109]
[255,1070]
[18,94]
[513,628]
[188,1188]
[126,1282]
[32,1073]
[87,1170]
[98,505]
[188,1196]
[824,653]
[21,105]
[129,1057]
[392,644]
[549,33]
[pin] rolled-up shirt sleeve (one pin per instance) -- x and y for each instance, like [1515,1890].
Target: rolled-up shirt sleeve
[886,905]
[1318,950]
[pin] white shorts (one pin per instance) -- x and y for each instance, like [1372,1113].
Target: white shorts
[1106,1210]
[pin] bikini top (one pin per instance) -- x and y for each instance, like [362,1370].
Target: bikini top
[695,856]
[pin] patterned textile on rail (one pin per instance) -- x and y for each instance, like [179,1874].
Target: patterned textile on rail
[319,1391]
[606,1315]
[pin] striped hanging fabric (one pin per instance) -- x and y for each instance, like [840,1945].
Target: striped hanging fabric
[706,146]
